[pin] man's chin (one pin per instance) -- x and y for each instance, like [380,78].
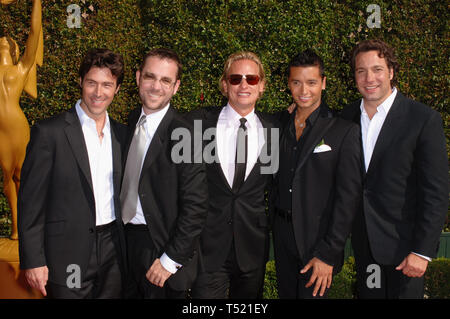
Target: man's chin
[153,108]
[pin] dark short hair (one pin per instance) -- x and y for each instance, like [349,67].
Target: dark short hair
[163,53]
[384,51]
[103,58]
[306,58]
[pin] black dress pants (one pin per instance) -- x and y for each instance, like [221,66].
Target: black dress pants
[103,279]
[141,255]
[391,284]
[291,284]
[229,282]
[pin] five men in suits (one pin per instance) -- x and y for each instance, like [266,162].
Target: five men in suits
[405,195]
[164,200]
[71,240]
[235,240]
[317,187]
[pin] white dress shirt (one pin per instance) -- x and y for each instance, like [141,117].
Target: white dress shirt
[370,129]
[151,125]
[226,134]
[100,164]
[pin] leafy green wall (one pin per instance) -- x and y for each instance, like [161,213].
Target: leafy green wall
[204,33]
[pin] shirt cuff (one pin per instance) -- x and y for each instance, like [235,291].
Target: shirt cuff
[170,265]
[424,257]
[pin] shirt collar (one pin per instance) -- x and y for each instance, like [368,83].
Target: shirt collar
[85,120]
[314,115]
[232,117]
[311,119]
[383,107]
[156,117]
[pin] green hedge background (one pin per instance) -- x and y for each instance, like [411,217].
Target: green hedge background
[205,32]
[437,281]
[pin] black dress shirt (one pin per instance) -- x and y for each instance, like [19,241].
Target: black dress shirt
[290,150]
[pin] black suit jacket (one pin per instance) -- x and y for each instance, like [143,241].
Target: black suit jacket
[240,216]
[56,206]
[405,197]
[173,197]
[326,187]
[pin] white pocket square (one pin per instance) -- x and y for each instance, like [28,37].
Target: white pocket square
[322,148]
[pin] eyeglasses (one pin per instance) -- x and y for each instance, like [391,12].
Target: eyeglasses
[164,82]
[236,79]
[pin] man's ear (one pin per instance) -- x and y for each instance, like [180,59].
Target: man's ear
[176,86]
[117,89]
[138,76]
[80,81]
[225,87]
[324,83]
[262,87]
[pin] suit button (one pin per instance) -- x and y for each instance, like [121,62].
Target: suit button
[290,190]
[91,230]
[295,148]
[230,222]
[142,195]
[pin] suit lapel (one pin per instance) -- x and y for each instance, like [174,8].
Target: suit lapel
[387,132]
[132,121]
[211,119]
[156,145]
[316,134]
[353,113]
[117,157]
[267,126]
[266,148]
[76,140]
[356,118]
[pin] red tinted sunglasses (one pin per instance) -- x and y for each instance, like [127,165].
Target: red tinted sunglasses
[236,79]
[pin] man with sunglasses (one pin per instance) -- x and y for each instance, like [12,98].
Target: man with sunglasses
[317,188]
[235,240]
[164,200]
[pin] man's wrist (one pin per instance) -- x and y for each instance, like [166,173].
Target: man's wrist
[168,264]
[422,256]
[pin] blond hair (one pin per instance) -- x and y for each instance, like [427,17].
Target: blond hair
[242,55]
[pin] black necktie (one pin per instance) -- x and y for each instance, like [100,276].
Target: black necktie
[241,155]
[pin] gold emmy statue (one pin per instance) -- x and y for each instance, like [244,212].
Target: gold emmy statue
[17,74]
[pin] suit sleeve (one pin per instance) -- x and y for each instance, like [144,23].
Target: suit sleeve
[34,183]
[192,210]
[347,198]
[432,183]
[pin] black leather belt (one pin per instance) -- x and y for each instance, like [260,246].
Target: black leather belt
[104,227]
[285,214]
[136,227]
